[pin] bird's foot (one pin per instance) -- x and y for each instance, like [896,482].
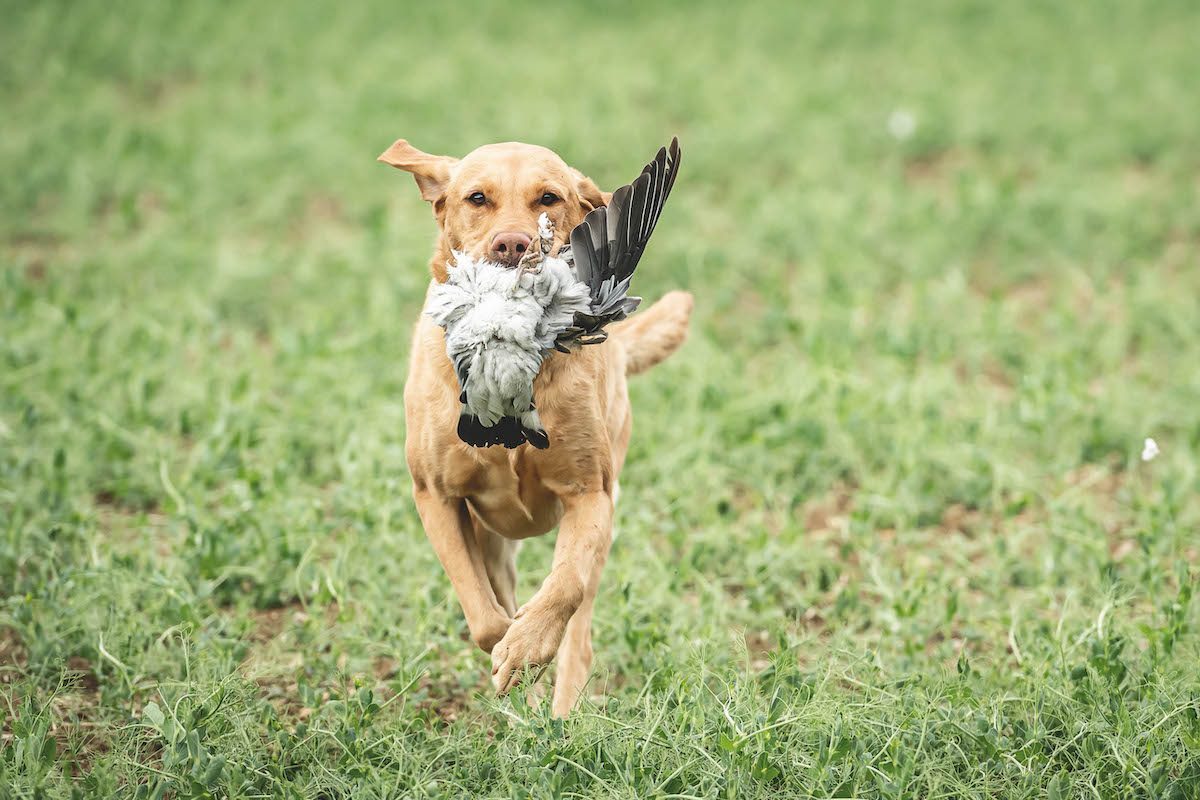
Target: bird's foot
[540,247]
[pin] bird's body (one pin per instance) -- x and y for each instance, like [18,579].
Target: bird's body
[501,321]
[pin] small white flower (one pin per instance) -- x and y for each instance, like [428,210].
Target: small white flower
[1149,450]
[901,124]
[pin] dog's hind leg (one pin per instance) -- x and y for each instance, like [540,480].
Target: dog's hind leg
[584,536]
[616,495]
[500,561]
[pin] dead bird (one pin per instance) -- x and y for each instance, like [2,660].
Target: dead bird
[502,321]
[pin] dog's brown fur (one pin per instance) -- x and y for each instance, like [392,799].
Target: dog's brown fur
[477,504]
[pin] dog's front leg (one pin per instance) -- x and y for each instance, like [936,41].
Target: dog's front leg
[448,527]
[584,536]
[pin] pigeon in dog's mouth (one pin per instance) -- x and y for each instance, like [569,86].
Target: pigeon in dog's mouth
[502,321]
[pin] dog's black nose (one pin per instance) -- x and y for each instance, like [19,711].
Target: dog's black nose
[508,248]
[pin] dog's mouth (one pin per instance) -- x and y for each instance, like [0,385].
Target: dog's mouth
[533,254]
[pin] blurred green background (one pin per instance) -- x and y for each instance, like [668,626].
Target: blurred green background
[884,531]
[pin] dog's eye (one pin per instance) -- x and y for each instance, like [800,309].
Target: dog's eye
[550,198]
[476,198]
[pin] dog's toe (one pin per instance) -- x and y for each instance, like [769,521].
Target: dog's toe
[529,643]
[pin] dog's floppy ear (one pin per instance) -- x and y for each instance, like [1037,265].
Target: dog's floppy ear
[432,172]
[590,196]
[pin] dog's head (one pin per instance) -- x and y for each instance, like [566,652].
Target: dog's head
[487,204]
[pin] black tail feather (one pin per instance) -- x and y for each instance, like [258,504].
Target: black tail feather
[539,439]
[507,432]
[607,246]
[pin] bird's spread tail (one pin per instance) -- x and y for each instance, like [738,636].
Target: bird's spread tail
[508,431]
[655,333]
[606,247]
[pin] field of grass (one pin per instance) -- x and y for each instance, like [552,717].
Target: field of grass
[885,530]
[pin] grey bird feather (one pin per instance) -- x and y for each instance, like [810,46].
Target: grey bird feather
[501,322]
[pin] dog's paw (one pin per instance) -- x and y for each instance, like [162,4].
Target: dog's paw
[531,642]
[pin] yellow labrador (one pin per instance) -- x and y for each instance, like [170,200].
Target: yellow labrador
[478,504]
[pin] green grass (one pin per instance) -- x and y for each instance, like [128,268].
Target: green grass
[885,532]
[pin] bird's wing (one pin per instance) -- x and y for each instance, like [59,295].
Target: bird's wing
[608,244]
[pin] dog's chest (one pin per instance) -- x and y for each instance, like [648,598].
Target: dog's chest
[509,499]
